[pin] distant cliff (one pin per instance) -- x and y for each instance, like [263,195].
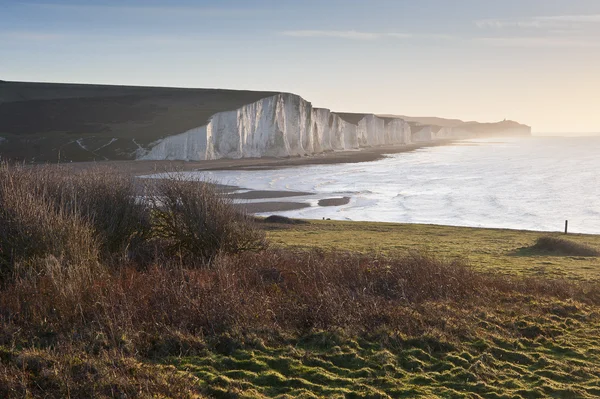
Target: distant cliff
[49,122]
[279,126]
[287,125]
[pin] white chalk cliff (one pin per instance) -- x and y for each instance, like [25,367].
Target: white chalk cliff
[278,126]
[287,125]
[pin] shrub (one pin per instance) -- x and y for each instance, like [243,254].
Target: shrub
[32,227]
[197,220]
[273,291]
[108,199]
[104,197]
[561,246]
[72,216]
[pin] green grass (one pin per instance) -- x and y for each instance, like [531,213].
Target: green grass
[493,250]
[559,361]
[146,338]
[531,348]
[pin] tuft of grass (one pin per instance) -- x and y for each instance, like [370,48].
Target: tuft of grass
[563,247]
[277,219]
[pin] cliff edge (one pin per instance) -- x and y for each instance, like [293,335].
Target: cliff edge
[49,122]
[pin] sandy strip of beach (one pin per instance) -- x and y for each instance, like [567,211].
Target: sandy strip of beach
[140,168]
[272,206]
[262,194]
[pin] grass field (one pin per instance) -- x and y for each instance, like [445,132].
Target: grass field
[565,366]
[489,250]
[527,347]
[105,296]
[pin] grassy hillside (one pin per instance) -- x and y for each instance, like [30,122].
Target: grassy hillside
[47,122]
[426,120]
[509,252]
[179,296]
[482,129]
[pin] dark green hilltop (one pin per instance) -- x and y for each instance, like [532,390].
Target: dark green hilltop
[48,122]
[56,122]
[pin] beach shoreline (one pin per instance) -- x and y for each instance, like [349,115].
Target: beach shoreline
[148,167]
[275,200]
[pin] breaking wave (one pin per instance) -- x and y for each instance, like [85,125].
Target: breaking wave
[528,183]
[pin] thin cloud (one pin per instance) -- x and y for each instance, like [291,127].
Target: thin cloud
[146,10]
[591,18]
[540,22]
[340,34]
[437,36]
[536,42]
[359,35]
[112,40]
[500,24]
[401,35]
[557,31]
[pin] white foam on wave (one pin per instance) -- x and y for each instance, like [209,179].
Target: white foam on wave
[531,184]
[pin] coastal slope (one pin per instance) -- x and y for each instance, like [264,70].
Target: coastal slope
[46,122]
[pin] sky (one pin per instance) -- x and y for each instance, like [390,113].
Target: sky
[534,61]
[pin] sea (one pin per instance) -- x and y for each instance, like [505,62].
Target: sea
[534,183]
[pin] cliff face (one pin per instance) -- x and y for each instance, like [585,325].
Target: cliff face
[49,122]
[279,126]
[285,125]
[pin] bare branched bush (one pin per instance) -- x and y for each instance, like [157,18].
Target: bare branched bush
[199,221]
[102,198]
[32,227]
[108,199]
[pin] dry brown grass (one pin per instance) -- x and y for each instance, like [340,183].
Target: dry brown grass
[137,314]
[80,217]
[71,309]
[277,291]
[103,199]
[33,226]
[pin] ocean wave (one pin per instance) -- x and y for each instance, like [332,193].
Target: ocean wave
[528,184]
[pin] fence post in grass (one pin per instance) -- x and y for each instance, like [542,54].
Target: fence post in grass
[566,226]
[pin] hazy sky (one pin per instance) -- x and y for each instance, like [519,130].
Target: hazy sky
[535,61]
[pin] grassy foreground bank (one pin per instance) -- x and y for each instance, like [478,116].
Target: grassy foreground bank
[104,295]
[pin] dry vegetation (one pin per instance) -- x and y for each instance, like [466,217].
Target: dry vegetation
[105,295]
